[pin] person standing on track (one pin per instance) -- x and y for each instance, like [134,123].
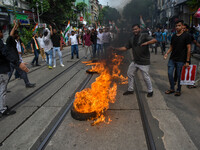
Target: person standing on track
[7,56]
[87,43]
[73,41]
[41,43]
[180,49]
[35,49]
[57,46]
[139,43]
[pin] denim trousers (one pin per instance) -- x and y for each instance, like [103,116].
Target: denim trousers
[94,50]
[171,67]
[49,56]
[35,59]
[57,49]
[99,50]
[3,89]
[74,48]
[132,69]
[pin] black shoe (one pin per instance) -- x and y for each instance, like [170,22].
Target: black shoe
[77,57]
[32,64]
[38,65]
[72,57]
[8,91]
[128,92]
[150,94]
[7,112]
[30,85]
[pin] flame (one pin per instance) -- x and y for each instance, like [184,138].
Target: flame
[103,91]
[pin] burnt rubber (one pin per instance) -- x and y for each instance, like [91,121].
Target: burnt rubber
[91,72]
[82,116]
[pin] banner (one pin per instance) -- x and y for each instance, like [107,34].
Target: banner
[188,75]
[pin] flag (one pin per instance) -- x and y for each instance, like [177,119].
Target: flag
[197,14]
[67,29]
[142,24]
[188,75]
[35,28]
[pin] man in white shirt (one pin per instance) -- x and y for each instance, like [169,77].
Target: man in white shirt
[41,43]
[73,41]
[100,43]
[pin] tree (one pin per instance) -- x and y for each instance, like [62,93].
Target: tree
[194,4]
[108,14]
[81,6]
[56,12]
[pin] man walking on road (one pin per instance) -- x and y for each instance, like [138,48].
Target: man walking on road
[35,49]
[180,54]
[141,58]
[7,56]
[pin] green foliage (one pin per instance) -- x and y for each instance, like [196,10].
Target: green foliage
[26,35]
[108,14]
[193,3]
[81,6]
[56,12]
[135,8]
[87,17]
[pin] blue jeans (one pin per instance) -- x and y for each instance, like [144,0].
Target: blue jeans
[171,67]
[74,48]
[59,54]
[35,59]
[49,56]
[99,50]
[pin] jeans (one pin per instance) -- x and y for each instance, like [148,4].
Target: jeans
[22,74]
[74,48]
[163,47]
[132,69]
[94,50]
[49,56]
[35,59]
[171,67]
[3,89]
[99,50]
[59,54]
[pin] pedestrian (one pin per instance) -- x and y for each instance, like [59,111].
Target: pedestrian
[180,54]
[158,35]
[163,41]
[41,44]
[35,49]
[100,43]
[73,41]
[106,41]
[87,42]
[57,46]
[48,47]
[139,43]
[94,42]
[7,56]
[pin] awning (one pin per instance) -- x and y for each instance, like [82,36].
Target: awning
[197,14]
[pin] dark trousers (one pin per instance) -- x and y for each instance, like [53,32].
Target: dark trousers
[74,48]
[35,59]
[171,67]
[22,74]
[163,47]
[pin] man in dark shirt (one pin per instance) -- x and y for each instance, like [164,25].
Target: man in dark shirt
[35,49]
[141,58]
[180,54]
[6,57]
[57,46]
[94,42]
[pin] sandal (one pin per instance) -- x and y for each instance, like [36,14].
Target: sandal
[169,91]
[177,94]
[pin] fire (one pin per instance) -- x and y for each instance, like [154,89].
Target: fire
[103,91]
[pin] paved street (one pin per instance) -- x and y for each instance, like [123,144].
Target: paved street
[174,121]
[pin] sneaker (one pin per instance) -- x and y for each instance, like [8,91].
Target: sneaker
[50,67]
[7,112]
[62,65]
[30,85]
[150,94]
[128,92]
[38,65]
[54,66]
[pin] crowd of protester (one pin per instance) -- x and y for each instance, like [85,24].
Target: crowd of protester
[183,41]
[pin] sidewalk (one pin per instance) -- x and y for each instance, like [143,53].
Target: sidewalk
[177,117]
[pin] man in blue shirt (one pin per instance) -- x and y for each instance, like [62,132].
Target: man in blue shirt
[158,35]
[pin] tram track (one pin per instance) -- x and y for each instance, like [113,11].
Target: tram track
[38,91]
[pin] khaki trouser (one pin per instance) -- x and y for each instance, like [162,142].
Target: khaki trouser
[133,68]
[42,53]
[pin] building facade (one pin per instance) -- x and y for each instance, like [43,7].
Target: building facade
[94,10]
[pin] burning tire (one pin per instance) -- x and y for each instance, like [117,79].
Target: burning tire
[82,116]
[91,72]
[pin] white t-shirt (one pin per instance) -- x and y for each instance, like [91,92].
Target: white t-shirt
[19,49]
[73,39]
[100,38]
[41,42]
